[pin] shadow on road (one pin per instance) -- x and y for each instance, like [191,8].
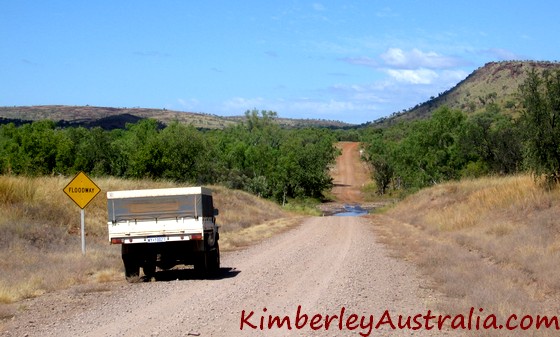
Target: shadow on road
[341,185]
[191,274]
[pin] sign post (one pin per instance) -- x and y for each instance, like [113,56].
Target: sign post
[82,190]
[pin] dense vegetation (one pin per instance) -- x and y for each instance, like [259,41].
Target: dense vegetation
[449,145]
[263,158]
[541,98]
[257,156]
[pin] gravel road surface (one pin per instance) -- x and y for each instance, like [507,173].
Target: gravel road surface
[322,266]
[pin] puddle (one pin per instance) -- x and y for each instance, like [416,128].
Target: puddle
[352,210]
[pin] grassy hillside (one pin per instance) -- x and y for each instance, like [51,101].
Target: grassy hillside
[40,242]
[109,118]
[491,243]
[495,82]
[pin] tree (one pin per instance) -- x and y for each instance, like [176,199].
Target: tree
[36,148]
[416,154]
[257,156]
[303,164]
[491,143]
[541,117]
[10,156]
[139,147]
[378,156]
[92,149]
[183,154]
[429,152]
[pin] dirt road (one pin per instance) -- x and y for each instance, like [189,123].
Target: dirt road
[327,266]
[324,265]
[349,174]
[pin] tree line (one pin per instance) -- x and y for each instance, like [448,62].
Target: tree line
[260,157]
[451,145]
[257,155]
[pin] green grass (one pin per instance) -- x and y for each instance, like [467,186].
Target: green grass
[307,206]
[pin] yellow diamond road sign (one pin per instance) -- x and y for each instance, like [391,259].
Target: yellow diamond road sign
[82,190]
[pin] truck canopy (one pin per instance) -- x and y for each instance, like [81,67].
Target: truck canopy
[154,204]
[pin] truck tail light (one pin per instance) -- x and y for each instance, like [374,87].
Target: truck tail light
[196,237]
[116,241]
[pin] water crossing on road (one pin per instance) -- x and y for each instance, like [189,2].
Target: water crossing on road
[352,210]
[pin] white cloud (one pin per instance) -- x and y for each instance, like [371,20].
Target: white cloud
[416,58]
[408,78]
[413,76]
[394,57]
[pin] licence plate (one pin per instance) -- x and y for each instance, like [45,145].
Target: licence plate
[156,239]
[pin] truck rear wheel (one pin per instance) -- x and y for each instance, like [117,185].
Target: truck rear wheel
[208,263]
[149,270]
[131,269]
[214,261]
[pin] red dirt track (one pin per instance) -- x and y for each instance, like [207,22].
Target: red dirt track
[350,174]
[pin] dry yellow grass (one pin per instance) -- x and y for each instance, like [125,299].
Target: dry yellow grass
[491,243]
[247,236]
[40,249]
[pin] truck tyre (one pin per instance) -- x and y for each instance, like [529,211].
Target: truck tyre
[208,264]
[149,270]
[131,269]
[214,261]
[200,264]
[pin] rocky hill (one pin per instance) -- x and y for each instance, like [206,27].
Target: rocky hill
[494,83]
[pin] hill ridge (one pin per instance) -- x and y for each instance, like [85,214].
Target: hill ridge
[494,83]
[112,117]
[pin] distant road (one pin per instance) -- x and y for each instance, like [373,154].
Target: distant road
[349,174]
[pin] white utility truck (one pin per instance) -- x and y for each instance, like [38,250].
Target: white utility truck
[164,228]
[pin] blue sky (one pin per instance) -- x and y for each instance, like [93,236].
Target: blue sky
[353,61]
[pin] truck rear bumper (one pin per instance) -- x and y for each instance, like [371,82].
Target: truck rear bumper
[155,238]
